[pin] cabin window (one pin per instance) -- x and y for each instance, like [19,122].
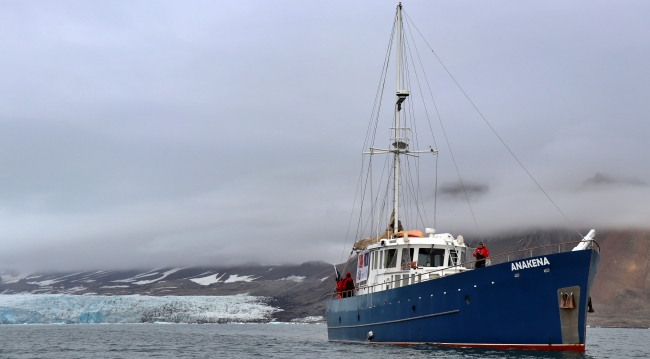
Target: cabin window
[405,280]
[391,258]
[407,255]
[430,257]
[381,259]
[374,260]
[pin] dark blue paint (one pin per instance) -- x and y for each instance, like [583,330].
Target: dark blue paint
[513,310]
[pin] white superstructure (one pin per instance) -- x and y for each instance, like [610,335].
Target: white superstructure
[402,261]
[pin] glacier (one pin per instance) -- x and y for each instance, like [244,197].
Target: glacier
[77,309]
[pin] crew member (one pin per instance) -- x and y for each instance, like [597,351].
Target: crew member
[348,285]
[480,253]
[339,288]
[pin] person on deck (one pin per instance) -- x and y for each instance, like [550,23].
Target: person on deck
[339,288]
[480,253]
[348,285]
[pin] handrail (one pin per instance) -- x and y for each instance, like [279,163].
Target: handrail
[469,262]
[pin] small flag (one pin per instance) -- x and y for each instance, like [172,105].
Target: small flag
[336,271]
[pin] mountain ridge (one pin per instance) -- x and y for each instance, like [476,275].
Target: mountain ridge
[620,295]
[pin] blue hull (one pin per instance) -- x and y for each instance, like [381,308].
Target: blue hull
[487,307]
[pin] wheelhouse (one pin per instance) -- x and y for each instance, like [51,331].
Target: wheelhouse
[403,261]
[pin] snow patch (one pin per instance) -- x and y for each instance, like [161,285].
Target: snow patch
[198,275]
[133,279]
[211,279]
[49,282]
[9,278]
[114,286]
[322,280]
[295,278]
[164,275]
[235,278]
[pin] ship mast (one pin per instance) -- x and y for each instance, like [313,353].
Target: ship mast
[398,107]
[400,140]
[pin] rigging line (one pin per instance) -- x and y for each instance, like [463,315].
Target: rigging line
[405,198]
[384,204]
[490,126]
[426,111]
[360,226]
[363,193]
[445,134]
[410,118]
[372,205]
[416,198]
[352,212]
[435,196]
[410,190]
[372,209]
[380,92]
[410,57]
[381,180]
[411,187]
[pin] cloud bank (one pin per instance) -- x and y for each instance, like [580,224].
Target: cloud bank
[140,135]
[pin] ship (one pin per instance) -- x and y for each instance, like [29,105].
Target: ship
[413,288]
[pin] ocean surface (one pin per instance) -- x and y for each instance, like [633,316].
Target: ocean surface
[262,341]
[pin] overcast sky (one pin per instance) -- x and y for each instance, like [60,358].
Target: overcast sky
[153,133]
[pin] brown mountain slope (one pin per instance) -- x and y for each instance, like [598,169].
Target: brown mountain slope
[621,292]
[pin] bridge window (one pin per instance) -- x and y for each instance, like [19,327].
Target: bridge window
[391,258]
[407,254]
[430,257]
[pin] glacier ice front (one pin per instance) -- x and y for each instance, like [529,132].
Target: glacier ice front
[73,309]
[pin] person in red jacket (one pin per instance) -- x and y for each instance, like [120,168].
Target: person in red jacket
[339,288]
[480,253]
[348,285]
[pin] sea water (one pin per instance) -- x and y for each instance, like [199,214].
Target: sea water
[262,341]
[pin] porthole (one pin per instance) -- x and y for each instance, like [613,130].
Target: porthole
[516,275]
[546,270]
[413,309]
[467,299]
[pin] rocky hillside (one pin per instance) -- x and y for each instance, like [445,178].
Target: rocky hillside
[621,293]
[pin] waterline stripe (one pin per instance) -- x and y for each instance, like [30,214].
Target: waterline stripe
[395,321]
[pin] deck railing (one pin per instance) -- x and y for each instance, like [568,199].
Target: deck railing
[513,255]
